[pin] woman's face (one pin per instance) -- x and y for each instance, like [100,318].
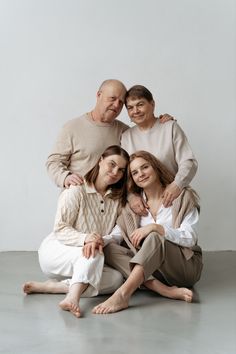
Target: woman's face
[112,168]
[140,110]
[143,173]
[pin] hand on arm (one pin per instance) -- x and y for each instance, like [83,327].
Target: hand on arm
[171,192]
[139,234]
[137,204]
[73,179]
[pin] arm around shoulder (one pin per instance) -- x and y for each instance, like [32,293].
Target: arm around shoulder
[187,163]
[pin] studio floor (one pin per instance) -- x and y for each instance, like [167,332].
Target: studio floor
[35,324]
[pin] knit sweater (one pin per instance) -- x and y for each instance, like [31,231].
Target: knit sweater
[169,144]
[82,210]
[128,221]
[80,144]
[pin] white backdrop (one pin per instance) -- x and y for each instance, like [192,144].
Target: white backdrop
[54,55]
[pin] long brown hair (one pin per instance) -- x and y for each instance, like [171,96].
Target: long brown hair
[165,176]
[119,189]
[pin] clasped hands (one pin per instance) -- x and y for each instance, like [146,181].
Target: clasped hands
[93,243]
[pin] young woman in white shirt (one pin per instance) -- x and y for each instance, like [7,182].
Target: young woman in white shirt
[166,257]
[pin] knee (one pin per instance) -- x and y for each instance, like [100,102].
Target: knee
[153,240]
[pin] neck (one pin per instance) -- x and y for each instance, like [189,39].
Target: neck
[154,192]
[149,124]
[95,116]
[100,187]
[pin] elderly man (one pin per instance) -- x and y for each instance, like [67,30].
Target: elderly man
[82,140]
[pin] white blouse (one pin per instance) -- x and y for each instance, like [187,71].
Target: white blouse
[185,235]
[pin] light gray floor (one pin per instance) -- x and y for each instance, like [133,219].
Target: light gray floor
[152,324]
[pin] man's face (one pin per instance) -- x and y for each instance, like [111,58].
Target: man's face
[140,110]
[110,101]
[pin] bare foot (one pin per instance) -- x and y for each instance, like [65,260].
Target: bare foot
[49,286]
[115,303]
[172,292]
[70,305]
[180,294]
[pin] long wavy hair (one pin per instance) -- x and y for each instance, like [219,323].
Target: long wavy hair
[118,189]
[165,176]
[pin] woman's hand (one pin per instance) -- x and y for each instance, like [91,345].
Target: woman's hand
[94,237]
[90,249]
[137,204]
[139,234]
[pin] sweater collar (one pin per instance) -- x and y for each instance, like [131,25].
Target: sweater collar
[90,189]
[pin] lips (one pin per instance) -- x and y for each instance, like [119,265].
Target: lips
[144,179]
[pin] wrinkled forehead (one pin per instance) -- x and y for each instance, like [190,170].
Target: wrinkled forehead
[114,90]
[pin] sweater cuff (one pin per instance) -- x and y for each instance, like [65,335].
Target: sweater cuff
[62,178]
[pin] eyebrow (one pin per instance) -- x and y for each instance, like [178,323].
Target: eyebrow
[138,167]
[121,168]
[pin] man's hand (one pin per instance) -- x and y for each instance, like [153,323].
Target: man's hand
[73,179]
[137,204]
[172,191]
[165,118]
[89,250]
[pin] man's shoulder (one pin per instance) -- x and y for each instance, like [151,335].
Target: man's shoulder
[121,125]
[76,121]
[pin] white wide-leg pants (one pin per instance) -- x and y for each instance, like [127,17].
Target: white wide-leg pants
[67,263]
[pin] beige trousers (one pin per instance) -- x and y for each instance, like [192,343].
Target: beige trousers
[162,259]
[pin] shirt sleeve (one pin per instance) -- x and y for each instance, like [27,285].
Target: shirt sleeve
[186,234]
[59,160]
[66,216]
[114,236]
[187,163]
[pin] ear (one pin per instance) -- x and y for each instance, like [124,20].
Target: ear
[98,94]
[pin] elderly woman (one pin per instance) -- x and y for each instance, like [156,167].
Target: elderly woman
[85,218]
[166,258]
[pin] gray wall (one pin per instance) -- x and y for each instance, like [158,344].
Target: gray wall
[54,54]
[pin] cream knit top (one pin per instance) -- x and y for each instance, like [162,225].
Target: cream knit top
[82,210]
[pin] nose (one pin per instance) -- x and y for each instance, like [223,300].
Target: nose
[115,171]
[117,104]
[135,109]
[140,173]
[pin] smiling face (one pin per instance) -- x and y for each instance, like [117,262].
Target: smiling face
[140,110]
[110,101]
[112,169]
[142,172]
